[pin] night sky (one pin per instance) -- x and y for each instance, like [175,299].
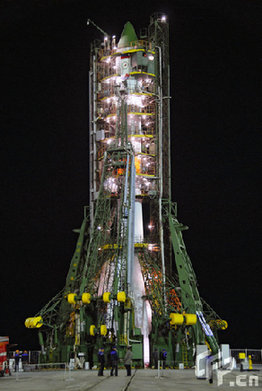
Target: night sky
[216,117]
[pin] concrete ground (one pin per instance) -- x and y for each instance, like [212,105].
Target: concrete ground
[141,379]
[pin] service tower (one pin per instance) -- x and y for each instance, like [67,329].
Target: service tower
[130,281]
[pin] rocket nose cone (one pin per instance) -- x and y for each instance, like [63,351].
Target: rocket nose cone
[128,35]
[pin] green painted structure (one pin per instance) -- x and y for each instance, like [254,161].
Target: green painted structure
[130,280]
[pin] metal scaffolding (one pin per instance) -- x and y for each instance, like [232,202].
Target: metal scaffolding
[130,281]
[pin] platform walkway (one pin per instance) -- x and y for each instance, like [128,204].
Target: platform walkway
[144,380]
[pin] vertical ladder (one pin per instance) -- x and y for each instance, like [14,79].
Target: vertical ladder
[184,355]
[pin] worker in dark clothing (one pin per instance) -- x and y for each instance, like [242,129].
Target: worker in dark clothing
[101,360]
[114,361]
[128,361]
[164,356]
[17,358]
[25,358]
[155,358]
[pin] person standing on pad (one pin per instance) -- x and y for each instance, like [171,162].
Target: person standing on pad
[114,361]
[101,359]
[128,361]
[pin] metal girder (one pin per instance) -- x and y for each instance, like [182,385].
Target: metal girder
[190,297]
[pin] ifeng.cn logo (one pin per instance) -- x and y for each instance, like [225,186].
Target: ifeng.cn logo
[206,365]
[240,380]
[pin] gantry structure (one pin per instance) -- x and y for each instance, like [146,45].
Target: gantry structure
[130,281]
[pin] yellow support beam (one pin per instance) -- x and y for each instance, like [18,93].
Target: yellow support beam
[115,246]
[142,73]
[137,113]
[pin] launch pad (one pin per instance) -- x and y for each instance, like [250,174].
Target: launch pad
[130,281]
[140,380]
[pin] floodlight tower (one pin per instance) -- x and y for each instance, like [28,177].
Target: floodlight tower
[130,281]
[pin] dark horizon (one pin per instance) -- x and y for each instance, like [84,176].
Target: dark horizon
[216,59]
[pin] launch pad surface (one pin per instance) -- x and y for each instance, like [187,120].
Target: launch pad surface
[142,379]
